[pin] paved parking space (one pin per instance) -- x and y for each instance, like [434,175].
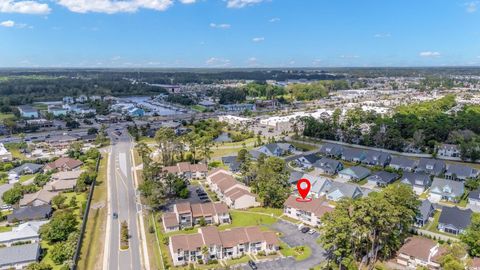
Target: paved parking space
[194,198]
[293,237]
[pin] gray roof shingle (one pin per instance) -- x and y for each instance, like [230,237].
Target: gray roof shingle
[455,216]
[19,254]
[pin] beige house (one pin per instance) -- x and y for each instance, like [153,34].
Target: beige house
[235,194]
[308,212]
[40,197]
[64,164]
[186,215]
[419,251]
[5,155]
[228,244]
[67,175]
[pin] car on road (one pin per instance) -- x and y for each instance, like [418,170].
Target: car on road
[115,215]
[252,265]
[305,229]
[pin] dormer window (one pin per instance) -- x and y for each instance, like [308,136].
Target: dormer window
[447,189]
[429,167]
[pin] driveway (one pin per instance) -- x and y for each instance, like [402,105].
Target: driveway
[193,198]
[293,237]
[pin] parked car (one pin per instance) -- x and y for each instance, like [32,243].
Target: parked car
[311,232]
[252,265]
[305,229]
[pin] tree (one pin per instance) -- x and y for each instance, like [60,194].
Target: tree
[13,195]
[73,202]
[375,225]
[471,237]
[270,182]
[63,251]
[92,131]
[453,257]
[41,179]
[60,226]
[59,201]
[167,142]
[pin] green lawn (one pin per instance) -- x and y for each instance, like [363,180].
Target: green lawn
[275,211]
[300,253]
[303,146]
[93,242]
[147,140]
[5,229]
[6,116]
[26,177]
[243,218]
[199,108]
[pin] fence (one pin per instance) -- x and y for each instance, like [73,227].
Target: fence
[85,219]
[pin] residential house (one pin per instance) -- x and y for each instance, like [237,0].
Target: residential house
[235,194]
[41,197]
[25,168]
[186,215]
[23,233]
[382,178]
[355,173]
[419,181]
[445,190]
[327,166]
[331,150]
[320,185]
[221,245]
[63,164]
[418,252]
[448,150]
[376,158]
[454,220]
[474,197]
[425,211]
[403,163]
[187,170]
[19,256]
[307,161]
[294,177]
[353,154]
[343,190]
[475,265]
[232,163]
[82,99]
[81,109]
[68,100]
[67,175]
[60,185]
[40,212]
[5,155]
[460,172]
[276,149]
[309,212]
[433,167]
[27,111]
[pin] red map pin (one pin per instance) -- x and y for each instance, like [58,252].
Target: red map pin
[303,187]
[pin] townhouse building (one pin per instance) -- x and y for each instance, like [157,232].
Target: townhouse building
[233,193]
[187,170]
[186,215]
[309,212]
[211,244]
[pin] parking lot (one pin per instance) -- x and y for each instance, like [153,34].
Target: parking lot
[293,237]
[193,198]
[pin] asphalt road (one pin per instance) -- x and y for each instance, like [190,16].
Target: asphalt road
[122,200]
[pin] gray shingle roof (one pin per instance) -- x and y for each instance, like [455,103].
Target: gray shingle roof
[331,149]
[455,216]
[461,171]
[358,172]
[402,162]
[19,254]
[376,157]
[431,166]
[447,187]
[30,213]
[312,158]
[383,177]
[327,164]
[425,209]
[27,166]
[416,179]
[353,153]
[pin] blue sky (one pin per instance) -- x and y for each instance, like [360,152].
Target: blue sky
[239,33]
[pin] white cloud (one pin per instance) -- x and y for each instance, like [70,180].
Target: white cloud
[349,56]
[317,62]
[8,23]
[252,61]
[220,26]
[242,3]
[429,54]
[258,39]
[111,7]
[471,7]
[188,1]
[23,7]
[217,62]
[382,35]
[272,20]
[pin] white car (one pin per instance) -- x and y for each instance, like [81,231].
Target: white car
[312,231]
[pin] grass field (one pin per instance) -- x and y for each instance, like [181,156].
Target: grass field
[5,229]
[93,243]
[6,116]
[303,146]
[26,177]
[300,253]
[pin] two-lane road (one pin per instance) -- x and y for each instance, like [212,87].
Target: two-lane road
[122,201]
